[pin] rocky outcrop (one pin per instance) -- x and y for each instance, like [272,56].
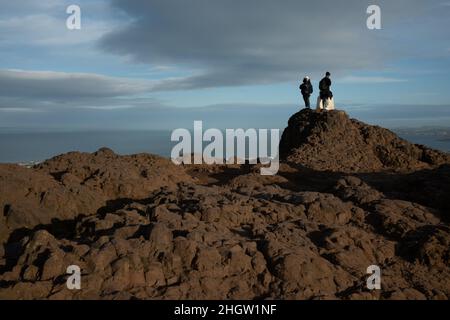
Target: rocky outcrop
[332,141]
[140,227]
[77,184]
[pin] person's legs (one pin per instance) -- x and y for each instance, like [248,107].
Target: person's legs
[307,103]
[322,99]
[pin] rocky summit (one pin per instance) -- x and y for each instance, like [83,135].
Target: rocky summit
[333,141]
[347,196]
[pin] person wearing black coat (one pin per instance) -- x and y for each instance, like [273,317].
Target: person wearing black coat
[325,88]
[307,89]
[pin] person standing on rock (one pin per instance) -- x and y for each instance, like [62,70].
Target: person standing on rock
[325,89]
[307,89]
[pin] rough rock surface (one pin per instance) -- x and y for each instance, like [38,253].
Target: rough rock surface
[332,141]
[141,227]
[77,184]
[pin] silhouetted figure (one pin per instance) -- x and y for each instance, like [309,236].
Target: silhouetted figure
[325,86]
[306,89]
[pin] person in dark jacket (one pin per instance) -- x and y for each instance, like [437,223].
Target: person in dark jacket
[306,89]
[325,88]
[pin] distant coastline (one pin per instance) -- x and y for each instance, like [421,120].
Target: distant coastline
[28,147]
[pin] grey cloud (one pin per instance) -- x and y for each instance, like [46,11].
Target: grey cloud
[43,89]
[237,42]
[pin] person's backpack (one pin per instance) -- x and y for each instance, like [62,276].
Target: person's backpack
[323,86]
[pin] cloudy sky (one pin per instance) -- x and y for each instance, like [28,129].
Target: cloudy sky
[156,64]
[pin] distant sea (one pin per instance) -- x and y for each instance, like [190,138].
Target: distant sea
[25,147]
